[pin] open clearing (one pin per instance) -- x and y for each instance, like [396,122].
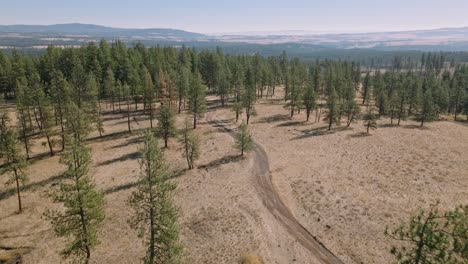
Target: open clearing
[342,187]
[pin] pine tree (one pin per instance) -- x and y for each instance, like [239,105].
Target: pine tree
[191,145]
[244,140]
[465,108]
[183,84]
[22,108]
[15,162]
[370,118]
[309,99]
[428,111]
[458,94]
[83,206]
[403,98]
[366,87]
[432,237]
[249,97]
[155,216]
[126,92]
[350,108]
[333,108]
[196,98]
[236,82]
[44,112]
[60,91]
[166,124]
[109,87]
[149,96]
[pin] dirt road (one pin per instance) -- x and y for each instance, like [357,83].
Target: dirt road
[274,204]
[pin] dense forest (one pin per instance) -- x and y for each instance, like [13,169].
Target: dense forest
[60,94]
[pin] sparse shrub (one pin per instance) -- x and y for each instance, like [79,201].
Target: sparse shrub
[250,258]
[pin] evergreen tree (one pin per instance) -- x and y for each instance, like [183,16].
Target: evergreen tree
[22,105]
[196,98]
[428,111]
[126,91]
[458,94]
[60,90]
[432,237]
[183,84]
[333,109]
[249,97]
[366,87]
[15,162]
[403,98]
[191,145]
[166,124]
[244,140]
[83,206]
[309,99]
[109,87]
[370,118]
[350,108]
[43,112]
[237,81]
[155,216]
[149,96]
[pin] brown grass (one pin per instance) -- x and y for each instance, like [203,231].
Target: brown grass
[250,258]
[343,188]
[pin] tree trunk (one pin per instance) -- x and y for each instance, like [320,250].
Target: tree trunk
[20,209]
[128,115]
[152,236]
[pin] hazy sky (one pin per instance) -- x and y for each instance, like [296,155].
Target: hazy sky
[209,16]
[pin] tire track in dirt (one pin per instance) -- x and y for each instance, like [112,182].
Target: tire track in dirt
[276,206]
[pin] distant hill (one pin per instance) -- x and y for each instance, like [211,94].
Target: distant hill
[75,34]
[99,31]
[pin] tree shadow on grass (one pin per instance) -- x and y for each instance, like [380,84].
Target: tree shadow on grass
[221,161]
[319,131]
[130,156]
[130,185]
[120,188]
[292,123]
[360,135]
[136,140]
[416,127]
[30,187]
[274,118]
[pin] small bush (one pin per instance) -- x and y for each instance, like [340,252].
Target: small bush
[250,259]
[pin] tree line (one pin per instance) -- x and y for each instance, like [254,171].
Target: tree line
[60,95]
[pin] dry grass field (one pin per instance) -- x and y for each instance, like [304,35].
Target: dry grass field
[343,186]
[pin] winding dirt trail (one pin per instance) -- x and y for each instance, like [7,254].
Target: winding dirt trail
[276,206]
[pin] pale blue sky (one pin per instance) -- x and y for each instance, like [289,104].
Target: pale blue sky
[208,16]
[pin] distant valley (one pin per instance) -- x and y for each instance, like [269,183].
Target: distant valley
[39,37]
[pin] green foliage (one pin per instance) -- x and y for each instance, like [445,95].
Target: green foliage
[244,140]
[428,111]
[332,114]
[432,237]
[196,98]
[15,162]
[370,118]
[191,145]
[166,124]
[83,211]
[309,98]
[249,96]
[155,216]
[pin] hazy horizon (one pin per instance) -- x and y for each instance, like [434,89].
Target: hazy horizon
[212,17]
